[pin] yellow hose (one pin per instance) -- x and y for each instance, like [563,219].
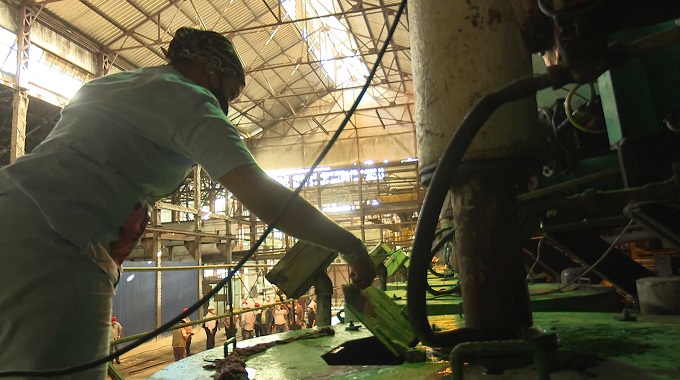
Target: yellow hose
[571,118]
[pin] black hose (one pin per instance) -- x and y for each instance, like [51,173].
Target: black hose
[439,245]
[456,288]
[427,222]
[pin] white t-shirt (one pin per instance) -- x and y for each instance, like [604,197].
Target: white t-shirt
[125,138]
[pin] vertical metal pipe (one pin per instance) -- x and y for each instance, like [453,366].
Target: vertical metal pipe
[323,287]
[491,265]
[461,51]
[156,244]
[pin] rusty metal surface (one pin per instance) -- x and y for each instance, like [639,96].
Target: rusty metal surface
[489,247]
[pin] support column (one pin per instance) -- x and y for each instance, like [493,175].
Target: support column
[198,220]
[19,112]
[461,51]
[20,100]
[103,64]
[323,288]
[490,260]
[156,244]
[362,205]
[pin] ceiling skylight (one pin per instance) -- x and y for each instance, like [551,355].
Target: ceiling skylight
[329,39]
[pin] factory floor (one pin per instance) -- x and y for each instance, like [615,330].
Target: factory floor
[150,357]
[595,346]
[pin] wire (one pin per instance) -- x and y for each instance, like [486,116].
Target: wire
[577,94]
[594,265]
[571,12]
[572,119]
[251,251]
[538,256]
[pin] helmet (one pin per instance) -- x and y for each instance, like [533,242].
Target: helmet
[113,319]
[185,309]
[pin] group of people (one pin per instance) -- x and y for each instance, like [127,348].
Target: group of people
[254,322]
[257,321]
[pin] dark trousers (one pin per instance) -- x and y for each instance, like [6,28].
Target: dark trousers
[258,330]
[113,351]
[179,353]
[189,345]
[210,338]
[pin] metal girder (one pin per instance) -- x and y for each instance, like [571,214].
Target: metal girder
[113,22]
[341,112]
[169,206]
[27,16]
[245,29]
[310,93]
[265,67]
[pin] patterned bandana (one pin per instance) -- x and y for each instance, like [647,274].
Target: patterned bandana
[209,48]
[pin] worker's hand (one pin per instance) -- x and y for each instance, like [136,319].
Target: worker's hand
[362,271]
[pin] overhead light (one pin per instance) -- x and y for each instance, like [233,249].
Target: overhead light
[159,254]
[369,162]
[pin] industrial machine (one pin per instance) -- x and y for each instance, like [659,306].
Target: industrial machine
[572,181]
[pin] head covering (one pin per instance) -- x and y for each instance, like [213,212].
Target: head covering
[209,48]
[185,309]
[113,319]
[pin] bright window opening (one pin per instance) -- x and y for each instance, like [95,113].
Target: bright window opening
[329,39]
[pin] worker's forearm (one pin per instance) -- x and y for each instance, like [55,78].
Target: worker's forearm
[305,222]
[316,228]
[266,198]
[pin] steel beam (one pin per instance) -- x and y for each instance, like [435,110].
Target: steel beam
[20,100]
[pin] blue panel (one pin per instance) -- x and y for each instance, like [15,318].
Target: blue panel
[180,290]
[134,304]
[135,301]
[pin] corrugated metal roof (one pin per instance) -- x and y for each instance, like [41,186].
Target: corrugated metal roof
[270,44]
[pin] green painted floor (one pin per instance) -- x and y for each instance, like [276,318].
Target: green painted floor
[594,346]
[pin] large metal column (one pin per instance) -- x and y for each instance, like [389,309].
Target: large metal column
[20,100]
[462,50]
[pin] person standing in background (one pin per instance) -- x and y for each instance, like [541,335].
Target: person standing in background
[190,331]
[280,320]
[247,322]
[299,316]
[210,328]
[258,321]
[311,317]
[116,332]
[179,342]
[268,321]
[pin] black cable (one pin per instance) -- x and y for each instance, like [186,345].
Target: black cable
[570,12]
[427,222]
[251,251]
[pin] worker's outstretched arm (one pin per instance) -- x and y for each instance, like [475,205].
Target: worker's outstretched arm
[263,196]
